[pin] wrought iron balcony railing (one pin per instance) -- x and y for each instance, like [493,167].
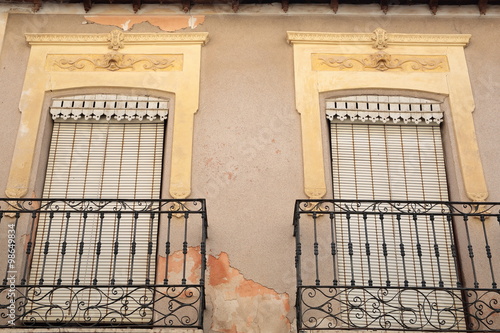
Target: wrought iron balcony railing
[102,263]
[426,266]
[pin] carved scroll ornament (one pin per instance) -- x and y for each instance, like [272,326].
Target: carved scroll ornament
[114,62]
[115,39]
[379,61]
[380,39]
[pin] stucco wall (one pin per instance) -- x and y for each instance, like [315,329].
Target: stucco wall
[247,159]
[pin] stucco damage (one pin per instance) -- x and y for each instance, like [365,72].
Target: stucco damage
[165,23]
[238,305]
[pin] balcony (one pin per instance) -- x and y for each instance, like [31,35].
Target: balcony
[402,266]
[103,263]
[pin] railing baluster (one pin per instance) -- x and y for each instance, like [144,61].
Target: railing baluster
[7,266]
[116,245]
[402,249]
[184,249]
[29,246]
[4,282]
[167,248]
[316,249]
[203,247]
[367,249]
[150,248]
[46,247]
[453,249]
[488,252]
[81,247]
[98,249]
[333,248]
[133,245]
[384,251]
[471,251]
[298,248]
[419,250]
[350,248]
[436,251]
[63,248]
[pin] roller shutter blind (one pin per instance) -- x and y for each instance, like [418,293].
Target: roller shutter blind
[383,154]
[392,162]
[116,154]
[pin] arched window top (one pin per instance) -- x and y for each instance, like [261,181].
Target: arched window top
[111,106]
[384,109]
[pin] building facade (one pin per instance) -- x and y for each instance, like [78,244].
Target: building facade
[275,167]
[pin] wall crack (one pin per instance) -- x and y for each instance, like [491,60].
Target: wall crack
[165,23]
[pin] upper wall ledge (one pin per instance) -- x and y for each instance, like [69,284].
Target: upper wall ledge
[116,38]
[55,7]
[379,38]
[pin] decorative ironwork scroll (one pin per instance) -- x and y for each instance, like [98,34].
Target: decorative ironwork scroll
[399,309]
[53,285]
[111,306]
[402,275]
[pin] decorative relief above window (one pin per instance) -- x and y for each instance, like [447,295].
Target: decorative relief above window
[379,61]
[114,62]
[167,63]
[328,62]
[384,109]
[118,107]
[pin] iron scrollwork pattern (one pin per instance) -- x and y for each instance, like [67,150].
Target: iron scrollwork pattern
[348,308]
[397,265]
[141,306]
[146,292]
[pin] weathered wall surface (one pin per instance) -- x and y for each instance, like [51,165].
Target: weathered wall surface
[247,158]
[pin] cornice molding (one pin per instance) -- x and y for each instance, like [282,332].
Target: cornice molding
[117,39]
[379,39]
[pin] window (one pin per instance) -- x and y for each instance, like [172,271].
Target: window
[389,148]
[103,147]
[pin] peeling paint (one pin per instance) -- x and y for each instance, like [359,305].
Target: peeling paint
[241,305]
[176,265]
[165,23]
[25,97]
[125,26]
[192,22]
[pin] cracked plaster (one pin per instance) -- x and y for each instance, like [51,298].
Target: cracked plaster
[239,305]
[165,23]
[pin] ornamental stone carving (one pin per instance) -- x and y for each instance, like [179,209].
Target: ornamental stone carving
[379,38]
[379,61]
[116,40]
[114,62]
[430,63]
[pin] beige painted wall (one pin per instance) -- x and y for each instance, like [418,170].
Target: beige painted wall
[247,159]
